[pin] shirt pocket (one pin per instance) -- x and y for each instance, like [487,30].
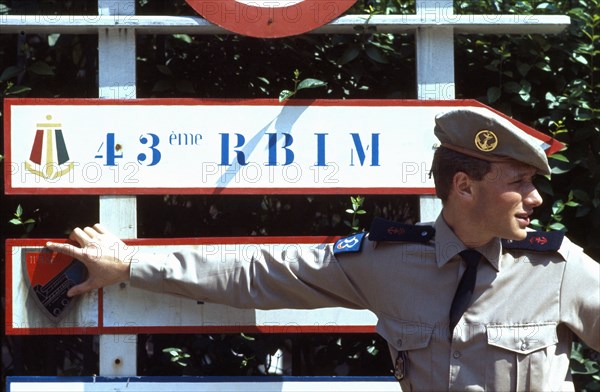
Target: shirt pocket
[519,355]
[409,343]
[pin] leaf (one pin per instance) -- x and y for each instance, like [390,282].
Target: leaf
[559,157]
[16,90]
[493,94]
[285,94]
[171,350]
[543,66]
[582,211]
[512,87]
[492,66]
[372,350]
[163,69]
[543,185]
[558,206]
[162,86]
[525,87]
[183,37]
[15,221]
[41,68]
[523,68]
[10,72]
[580,59]
[557,226]
[536,224]
[550,97]
[558,170]
[19,211]
[263,79]
[582,114]
[376,55]
[184,86]
[53,39]
[546,6]
[310,83]
[576,352]
[580,194]
[524,96]
[349,54]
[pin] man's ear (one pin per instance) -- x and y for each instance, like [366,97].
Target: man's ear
[462,186]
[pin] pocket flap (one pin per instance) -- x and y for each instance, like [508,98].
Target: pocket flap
[522,338]
[404,335]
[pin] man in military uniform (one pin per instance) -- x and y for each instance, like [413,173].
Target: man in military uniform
[473,301]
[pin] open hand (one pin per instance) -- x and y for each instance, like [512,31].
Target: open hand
[106,257]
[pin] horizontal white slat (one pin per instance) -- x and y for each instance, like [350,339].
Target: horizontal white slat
[123,309]
[207,384]
[464,24]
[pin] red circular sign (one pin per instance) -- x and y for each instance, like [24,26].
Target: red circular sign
[270,18]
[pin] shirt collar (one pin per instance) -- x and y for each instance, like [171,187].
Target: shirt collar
[448,245]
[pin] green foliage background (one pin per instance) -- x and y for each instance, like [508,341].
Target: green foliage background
[549,82]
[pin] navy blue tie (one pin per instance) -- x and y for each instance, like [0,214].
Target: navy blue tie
[464,292]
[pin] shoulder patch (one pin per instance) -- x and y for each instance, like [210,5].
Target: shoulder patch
[350,244]
[385,230]
[538,241]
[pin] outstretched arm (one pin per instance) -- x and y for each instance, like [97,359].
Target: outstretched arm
[269,276]
[102,253]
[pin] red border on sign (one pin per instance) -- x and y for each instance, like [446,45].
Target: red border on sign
[102,329]
[554,144]
[270,22]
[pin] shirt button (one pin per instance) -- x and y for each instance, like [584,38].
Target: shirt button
[457,354]
[399,342]
[523,346]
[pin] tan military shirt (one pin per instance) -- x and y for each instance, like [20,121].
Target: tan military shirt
[516,335]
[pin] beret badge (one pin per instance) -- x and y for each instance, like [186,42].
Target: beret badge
[486,140]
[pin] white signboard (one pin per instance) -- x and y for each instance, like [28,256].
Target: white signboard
[157,146]
[207,384]
[36,283]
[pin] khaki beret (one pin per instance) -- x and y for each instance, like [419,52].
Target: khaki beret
[483,134]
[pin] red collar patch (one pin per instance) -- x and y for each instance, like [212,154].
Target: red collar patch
[537,241]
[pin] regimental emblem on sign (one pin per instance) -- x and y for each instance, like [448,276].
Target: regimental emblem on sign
[50,276]
[49,158]
[270,18]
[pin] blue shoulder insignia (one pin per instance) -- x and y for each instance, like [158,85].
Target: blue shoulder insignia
[538,241]
[384,230]
[351,244]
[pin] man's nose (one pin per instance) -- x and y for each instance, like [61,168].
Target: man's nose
[534,199]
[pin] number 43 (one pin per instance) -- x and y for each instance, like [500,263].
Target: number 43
[113,151]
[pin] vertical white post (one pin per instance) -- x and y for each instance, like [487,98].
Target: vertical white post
[117,80]
[435,71]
